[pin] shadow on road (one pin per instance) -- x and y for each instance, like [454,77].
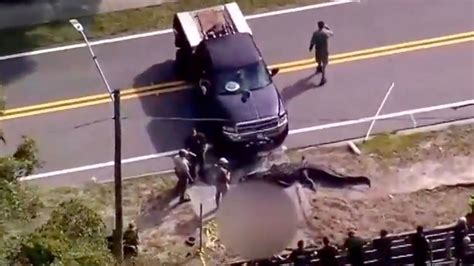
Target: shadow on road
[170,117]
[158,73]
[299,87]
[167,113]
[13,69]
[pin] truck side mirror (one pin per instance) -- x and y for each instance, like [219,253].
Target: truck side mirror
[274,71]
[204,84]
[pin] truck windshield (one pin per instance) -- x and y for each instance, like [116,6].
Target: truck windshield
[250,77]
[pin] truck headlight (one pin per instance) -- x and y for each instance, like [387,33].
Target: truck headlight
[228,129]
[282,119]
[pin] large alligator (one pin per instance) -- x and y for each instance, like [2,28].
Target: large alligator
[310,176]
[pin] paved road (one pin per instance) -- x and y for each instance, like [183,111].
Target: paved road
[84,136]
[56,76]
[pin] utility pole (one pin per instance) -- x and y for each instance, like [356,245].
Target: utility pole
[118,233]
[115,97]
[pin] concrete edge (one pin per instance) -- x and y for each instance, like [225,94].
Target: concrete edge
[404,131]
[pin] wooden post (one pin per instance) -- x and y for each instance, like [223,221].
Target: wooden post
[200,227]
[118,236]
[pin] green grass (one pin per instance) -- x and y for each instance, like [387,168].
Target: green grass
[455,139]
[100,197]
[22,39]
[389,145]
[141,196]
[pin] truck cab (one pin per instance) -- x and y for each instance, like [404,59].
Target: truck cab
[234,85]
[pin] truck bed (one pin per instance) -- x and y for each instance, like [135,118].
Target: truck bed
[200,24]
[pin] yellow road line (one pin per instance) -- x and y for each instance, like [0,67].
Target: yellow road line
[88,103]
[283,65]
[381,54]
[381,48]
[92,97]
[284,68]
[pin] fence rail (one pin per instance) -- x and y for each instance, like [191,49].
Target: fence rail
[400,247]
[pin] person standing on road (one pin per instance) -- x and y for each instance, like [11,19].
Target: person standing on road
[182,171]
[222,179]
[319,41]
[383,246]
[196,143]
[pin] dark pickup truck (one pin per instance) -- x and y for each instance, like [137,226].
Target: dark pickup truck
[217,52]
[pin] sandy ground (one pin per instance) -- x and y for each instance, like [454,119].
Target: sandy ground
[414,182]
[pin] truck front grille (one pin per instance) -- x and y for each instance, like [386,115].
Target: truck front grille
[257,125]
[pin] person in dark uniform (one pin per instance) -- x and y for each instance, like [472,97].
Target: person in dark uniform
[420,247]
[299,256]
[383,246]
[319,41]
[327,254]
[355,249]
[460,232]
[196,143]
[130,241]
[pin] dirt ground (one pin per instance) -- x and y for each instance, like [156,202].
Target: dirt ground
[413,177]
[417,179]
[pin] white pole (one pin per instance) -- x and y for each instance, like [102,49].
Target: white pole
[378,111]
[94,57]
[78,26]
[413,120]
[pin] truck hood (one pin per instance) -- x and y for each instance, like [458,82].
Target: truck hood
[262,103]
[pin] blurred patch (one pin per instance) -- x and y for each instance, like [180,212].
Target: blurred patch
[256,220]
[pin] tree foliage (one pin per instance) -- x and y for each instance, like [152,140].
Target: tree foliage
[27,154]
[73,235]
[17,201]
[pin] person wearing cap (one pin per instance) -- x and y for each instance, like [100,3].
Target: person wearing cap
[131,241]
[319,41]
[182,171]
[222,179]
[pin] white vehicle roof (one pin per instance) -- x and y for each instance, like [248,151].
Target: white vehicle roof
[197,24]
